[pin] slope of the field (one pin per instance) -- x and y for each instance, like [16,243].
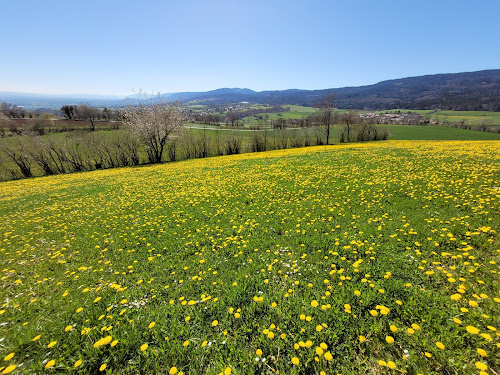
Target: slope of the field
[360,258]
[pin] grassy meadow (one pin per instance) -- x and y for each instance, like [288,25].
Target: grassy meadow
[374,258]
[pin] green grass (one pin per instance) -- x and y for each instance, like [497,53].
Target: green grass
[413,132]
[292,253]
[471,117]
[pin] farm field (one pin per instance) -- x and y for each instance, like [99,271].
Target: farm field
[471,117]
[373,258]
[415,132]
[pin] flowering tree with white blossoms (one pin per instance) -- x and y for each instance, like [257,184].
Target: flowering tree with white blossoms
[154,121]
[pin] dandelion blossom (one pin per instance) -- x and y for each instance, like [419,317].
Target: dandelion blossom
[9,369]
[471,329]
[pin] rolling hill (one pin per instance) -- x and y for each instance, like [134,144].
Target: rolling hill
[471,91]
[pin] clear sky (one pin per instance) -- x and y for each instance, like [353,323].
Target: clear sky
[115,47]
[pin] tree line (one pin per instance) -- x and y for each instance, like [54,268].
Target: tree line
[155,132]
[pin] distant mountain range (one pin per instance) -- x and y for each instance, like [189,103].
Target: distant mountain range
[458,91]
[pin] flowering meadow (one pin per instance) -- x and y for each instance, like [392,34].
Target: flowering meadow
[376,258]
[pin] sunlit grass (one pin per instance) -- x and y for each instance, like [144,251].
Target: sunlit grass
[360,258]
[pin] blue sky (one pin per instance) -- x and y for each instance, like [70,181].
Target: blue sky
[116,47]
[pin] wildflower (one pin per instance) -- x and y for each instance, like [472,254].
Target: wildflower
[144,347]
[151,325]
[259,353]
[389,339]
[215,323]
[391,365]
[362,339]
[9,369]
[50,364]
[328,356]
[295,361]
[440,345]
[481,366]
[8,357]
[482,352]
[51,344]
[471,329]
[103,367]
[172,371]
[314,303]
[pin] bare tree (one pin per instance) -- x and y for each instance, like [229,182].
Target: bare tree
[325,115]
[348,119]
[88,113]
[154,121]
[16,152]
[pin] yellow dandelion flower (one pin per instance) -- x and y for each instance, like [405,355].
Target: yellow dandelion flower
[389,339]
[36,338]
[362,338]
[328,356]
[172,371]
[8,357]
[258,352]
[68,328]
[51,344]
[151,325]
[227,371]
[481,366]
[185,343]
[314,303]
[295,361]
[9,369]
[440,345]
[77,363]
[471,329]
[103,367]
[482,352]
[50,364]
[393,328]
[215,323]
[382,363]
[319,351]
[144,347]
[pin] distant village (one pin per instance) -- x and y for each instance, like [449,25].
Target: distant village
[398,118]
